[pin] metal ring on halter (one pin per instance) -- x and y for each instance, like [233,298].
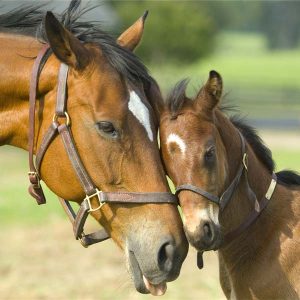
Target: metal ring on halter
[37,177]
[88,197]
[82,242]
[66,116]
[245,161]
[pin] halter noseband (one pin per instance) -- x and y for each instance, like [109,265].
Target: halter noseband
[224,199]
[90,189]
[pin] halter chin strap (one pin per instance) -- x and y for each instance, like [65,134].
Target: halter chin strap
[61,126]
[225,198]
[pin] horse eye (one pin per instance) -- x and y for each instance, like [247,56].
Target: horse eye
[107,128]
[209,155]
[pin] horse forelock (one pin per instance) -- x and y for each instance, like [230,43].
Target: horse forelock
[177,97]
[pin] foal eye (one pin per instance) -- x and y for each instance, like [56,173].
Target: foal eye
[107,128]
[209,155]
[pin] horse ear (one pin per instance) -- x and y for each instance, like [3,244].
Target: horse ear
[66,47]
[132,36]
[210,94]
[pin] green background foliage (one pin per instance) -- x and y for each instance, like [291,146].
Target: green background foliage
[176,31]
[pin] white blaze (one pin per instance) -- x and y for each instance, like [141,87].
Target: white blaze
[174,138]
[141,112]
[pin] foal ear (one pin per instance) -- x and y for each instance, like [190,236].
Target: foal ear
[132,36]
[66,47]
[210,94]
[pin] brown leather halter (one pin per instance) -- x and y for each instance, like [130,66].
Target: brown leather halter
[224,199]
[91,190]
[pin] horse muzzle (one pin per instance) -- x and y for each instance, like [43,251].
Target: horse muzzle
[154,264]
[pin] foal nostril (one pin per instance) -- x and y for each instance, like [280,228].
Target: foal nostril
[165,257]
[208,232]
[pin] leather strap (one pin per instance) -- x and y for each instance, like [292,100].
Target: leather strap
[137,198]
[197,190]
[85,239]
[61,98]
[254,214]
[116,197]
[47,140]
[93,238]
[35,188]
[74,157]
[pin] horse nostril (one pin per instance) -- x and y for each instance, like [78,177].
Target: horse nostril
[208,232]
[166,256]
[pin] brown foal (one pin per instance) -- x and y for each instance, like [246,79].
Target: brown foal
[113,125]
[255,224]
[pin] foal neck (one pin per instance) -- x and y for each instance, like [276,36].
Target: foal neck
[256,178]
[266,254]
[17,54]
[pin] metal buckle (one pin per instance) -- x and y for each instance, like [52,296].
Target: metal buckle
[245,161]
[82,242]
[66,116]
[36,175]
[88,197]
[271,189]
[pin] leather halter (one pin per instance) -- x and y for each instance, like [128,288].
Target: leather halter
[61,126]
[225,198]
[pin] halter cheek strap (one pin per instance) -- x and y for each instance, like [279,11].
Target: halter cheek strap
[254,214]
[61,126]
[34,189]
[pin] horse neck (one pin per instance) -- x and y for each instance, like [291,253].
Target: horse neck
[17,54]
[240,206]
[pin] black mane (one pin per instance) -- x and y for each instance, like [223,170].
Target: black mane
[175,102]
[263,153]
[28,20]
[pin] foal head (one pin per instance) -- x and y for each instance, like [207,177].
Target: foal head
[193,153]
[113,125]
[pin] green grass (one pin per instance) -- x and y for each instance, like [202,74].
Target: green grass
[287,159]
[16,205]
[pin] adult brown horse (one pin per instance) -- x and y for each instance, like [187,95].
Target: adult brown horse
[230,197]
[109,117]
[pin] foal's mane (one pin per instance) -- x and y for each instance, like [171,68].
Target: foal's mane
[28,20]
[176,100]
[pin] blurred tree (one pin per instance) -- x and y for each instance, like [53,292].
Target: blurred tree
[176,30]
[281,23]
[236,15]
[279,20]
